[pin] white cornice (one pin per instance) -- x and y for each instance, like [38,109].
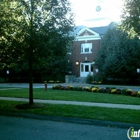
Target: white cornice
[95,35]
[84,38]
[87,29]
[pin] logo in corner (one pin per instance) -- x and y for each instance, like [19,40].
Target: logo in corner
[131,133]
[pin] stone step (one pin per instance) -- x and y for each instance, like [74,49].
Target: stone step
[80,80]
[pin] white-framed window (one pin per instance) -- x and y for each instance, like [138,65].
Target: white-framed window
[86,48]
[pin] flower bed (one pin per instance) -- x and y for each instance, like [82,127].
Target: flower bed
[111,90]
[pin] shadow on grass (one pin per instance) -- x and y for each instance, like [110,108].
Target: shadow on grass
[28,106]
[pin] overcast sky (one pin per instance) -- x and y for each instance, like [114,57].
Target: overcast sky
[87,14]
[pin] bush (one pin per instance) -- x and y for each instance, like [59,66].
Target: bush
[94,89]
[108,89]
[134,93]
[89,79]
[70,87]
[100,90]
[113,91]
[57,87]
[138,93]
[118,91]
[123,91]
[129,92]
[103,90]
[78,88]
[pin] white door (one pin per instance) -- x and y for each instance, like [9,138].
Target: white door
[85,69]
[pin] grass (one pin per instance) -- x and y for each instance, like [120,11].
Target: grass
[99,113]
[83,96]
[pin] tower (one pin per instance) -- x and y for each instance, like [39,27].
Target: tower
[99,14]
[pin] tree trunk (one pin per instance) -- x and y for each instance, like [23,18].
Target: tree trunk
[30,79]
[31,57]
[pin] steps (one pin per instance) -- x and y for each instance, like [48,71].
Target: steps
[79,80]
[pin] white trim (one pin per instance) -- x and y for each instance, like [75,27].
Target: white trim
[87,38]
[83,72]
[95,35]
[86,53]
[87,29]
[85,46]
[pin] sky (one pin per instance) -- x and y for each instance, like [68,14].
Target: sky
[86,14]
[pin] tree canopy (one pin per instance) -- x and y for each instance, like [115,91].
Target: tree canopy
[131,16]
[34,34]
[118,56]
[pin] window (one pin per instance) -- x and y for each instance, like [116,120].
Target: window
[86,47]
[86,68]
[82,67]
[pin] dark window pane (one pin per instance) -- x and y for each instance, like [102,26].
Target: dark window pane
[86,68]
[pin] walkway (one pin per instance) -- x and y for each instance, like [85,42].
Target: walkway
[41,85]
[123,106]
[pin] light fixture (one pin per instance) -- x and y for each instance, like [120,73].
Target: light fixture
[77,63]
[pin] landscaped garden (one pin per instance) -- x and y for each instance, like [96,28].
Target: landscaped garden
[72,95]
[81,94]
[111,90]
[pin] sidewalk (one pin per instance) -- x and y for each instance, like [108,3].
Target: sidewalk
[41,85]
[71,119]
[122,106]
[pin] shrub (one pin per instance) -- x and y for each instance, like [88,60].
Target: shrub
[56,87]
[129,91]
[70,87]
[94,89]
[134,93]
[138,93]
[86,88]
[66,88]
[80,88]
[62,88]
[108,89]
[97,79]
[103,90]
[88,79]
[118,91]
[123,91]
[98,89]
[113,90]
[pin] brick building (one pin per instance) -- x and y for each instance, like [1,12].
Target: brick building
[84,50]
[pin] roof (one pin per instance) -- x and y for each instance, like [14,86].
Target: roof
[100,30]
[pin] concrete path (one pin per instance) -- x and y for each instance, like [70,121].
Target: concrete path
[91,104]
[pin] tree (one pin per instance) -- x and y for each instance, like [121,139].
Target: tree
[43,28]
[130,16]
[8,39]
[117,56]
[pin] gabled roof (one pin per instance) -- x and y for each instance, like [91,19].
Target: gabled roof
[100,30]
[76,30]
[87,34]
[87,30]
[103,29]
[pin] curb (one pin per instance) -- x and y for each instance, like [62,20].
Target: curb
[72,120]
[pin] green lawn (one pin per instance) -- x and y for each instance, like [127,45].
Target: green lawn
[98,113]
[83,96]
